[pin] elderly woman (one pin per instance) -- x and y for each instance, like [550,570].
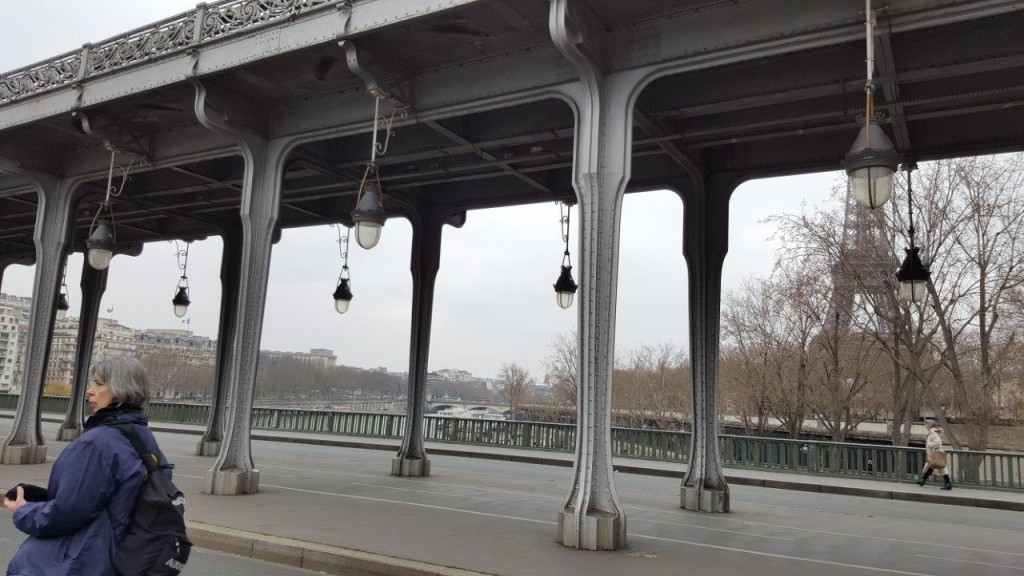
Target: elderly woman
[935,455]
[93,484]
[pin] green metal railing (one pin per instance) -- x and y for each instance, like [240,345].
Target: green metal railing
[990,469]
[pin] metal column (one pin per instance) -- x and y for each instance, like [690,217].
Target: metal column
[52,236]
[234,471]
[94,283]
[705,243]
[209,444]
[592,517]
[427,224]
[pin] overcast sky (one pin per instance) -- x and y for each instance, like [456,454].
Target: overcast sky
[494,301]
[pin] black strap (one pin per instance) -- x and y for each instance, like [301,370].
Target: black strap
[149,459]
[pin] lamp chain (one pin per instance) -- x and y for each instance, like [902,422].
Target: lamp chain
[378,148]
[182,256]
[564,210]
[183,262]
[869,86]
[910,203]
[343,251]
[112,190]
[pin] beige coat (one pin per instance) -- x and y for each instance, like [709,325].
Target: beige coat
[934,444]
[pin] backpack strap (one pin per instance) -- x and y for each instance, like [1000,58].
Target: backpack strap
[149,459]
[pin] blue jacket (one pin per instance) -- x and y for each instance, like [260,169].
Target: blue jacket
[93,487]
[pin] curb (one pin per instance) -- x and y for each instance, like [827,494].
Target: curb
[923,497]
[310,555]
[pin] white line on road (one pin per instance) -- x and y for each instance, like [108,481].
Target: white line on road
[432,493]
[883,538]
[423,481]
[783,556]
[969,562]
[634,520]
[402,502]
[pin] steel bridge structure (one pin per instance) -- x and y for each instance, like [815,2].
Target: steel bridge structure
[244,117]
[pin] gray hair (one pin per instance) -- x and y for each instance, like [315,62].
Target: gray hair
[126,378]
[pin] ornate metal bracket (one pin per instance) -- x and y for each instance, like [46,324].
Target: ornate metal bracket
[383,79]
[577,31]
[222,112]
[116,136]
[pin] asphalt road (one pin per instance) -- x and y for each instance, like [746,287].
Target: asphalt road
[346,497]
[201,563]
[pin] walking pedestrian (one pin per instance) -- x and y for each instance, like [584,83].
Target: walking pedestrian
[936,458]
[93,485]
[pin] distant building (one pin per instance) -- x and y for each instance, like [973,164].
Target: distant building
[112,339]
[454,375]
[321,357]
[13,341]
[181,344]
[10,330]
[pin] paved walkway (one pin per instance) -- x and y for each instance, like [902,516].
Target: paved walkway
[328,504]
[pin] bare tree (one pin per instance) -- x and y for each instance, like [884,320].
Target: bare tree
[563,367]
[950,354]
[767,332]
[171,375]
[515,385]
[650,388]
[983,200]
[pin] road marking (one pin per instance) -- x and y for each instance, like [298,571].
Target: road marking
[915,542]
[420,481]
[460,497]
[969,562]
[402,502]
[634,520]
[783,556]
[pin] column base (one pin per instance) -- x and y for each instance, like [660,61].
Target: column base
[595,531]
[232,482]
[412,467]
[68,434]
[208,448]
[23,454]
[703,499]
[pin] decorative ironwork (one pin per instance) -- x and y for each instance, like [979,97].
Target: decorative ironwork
[171,35]
[140,45]
[40,77]
[228,17]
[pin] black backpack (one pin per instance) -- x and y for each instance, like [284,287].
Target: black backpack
[155,543]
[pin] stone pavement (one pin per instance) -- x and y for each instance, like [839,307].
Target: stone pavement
[328,504]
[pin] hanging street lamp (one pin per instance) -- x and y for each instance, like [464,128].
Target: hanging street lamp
[62,298]
[565,286]
[872,160]
[343,293]
[368,216]
[102,241]
[181,300]
[100,245]
[913,275]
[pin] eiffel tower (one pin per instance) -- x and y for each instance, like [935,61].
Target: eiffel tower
[865,266]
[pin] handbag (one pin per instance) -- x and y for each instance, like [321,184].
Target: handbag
[936,460]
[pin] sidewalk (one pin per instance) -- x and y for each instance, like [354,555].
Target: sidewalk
[849,486]
[340,512]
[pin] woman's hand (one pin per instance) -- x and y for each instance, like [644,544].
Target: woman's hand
[13,505]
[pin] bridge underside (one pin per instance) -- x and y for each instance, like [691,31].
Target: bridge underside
[744,102]
[245,117]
